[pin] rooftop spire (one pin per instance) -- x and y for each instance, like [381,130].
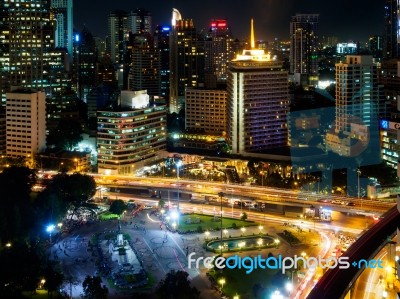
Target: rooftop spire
[252,43]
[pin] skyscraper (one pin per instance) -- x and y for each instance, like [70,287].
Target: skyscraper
[145,65]
[63,14]
[357,105]
[218,49]
[161,42]
[31,36]
[257,102]
[303,48]
[356,91]
[391,34]
[186,59]
[118,35]
[139,21]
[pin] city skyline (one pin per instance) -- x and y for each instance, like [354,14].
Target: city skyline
[271,17]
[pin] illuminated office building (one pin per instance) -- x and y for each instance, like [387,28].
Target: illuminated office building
[304,48]
[161,42]
[218,49]
[25,122]
[257,102]
[145,64]
[357,104]
[132,135]
[31,37]
[117,35]
[391,38]
[186,59]
[139,21]
[63,14]
[205,110]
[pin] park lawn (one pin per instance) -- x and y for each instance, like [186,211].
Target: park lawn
[107,216]
[238,282]
[207,222]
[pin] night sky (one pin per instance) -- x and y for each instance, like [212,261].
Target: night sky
[347,19]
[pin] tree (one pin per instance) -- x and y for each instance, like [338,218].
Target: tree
[16,207]
[161,203]
[66,135]
[118,206]
[176,286]
[244,216]
[75,189]
[93,289]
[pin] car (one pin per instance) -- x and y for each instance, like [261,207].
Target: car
[351,204]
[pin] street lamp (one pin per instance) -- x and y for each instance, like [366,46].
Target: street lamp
[262,178]
[221,194]
[289,287]
[277,242]
[236,296]
[259,243]
[243,229]
[260,227]
[50,229]
[276,295]
[8,245]
[178,164]
[225,232]
[76,162]
[207,233]
[222,281]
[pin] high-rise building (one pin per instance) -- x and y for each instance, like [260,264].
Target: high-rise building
[84,64]
[218,49]
[25,122]
[139,21]
[357,104]
[144,73]
[118,35]
[205,110]
[63,14]
[161,42]
[186,60]
[132,135]
[257,102]
[304,48]
[356,91]
[375,44]
[391,32]
[31,36]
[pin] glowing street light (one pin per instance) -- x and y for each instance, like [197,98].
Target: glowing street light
[289,287]
[59,225]
[303,254]
[225,232]
[259,243]
[8,245]
[222,281]
[276,295]
[277,242]
[50,228]
[243,229]
[236,296]
[207,233]
[260,227]
[174,225]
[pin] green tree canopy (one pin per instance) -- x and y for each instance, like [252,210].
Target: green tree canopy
[93,289]
[75,189]
[16,206]
[118,206]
